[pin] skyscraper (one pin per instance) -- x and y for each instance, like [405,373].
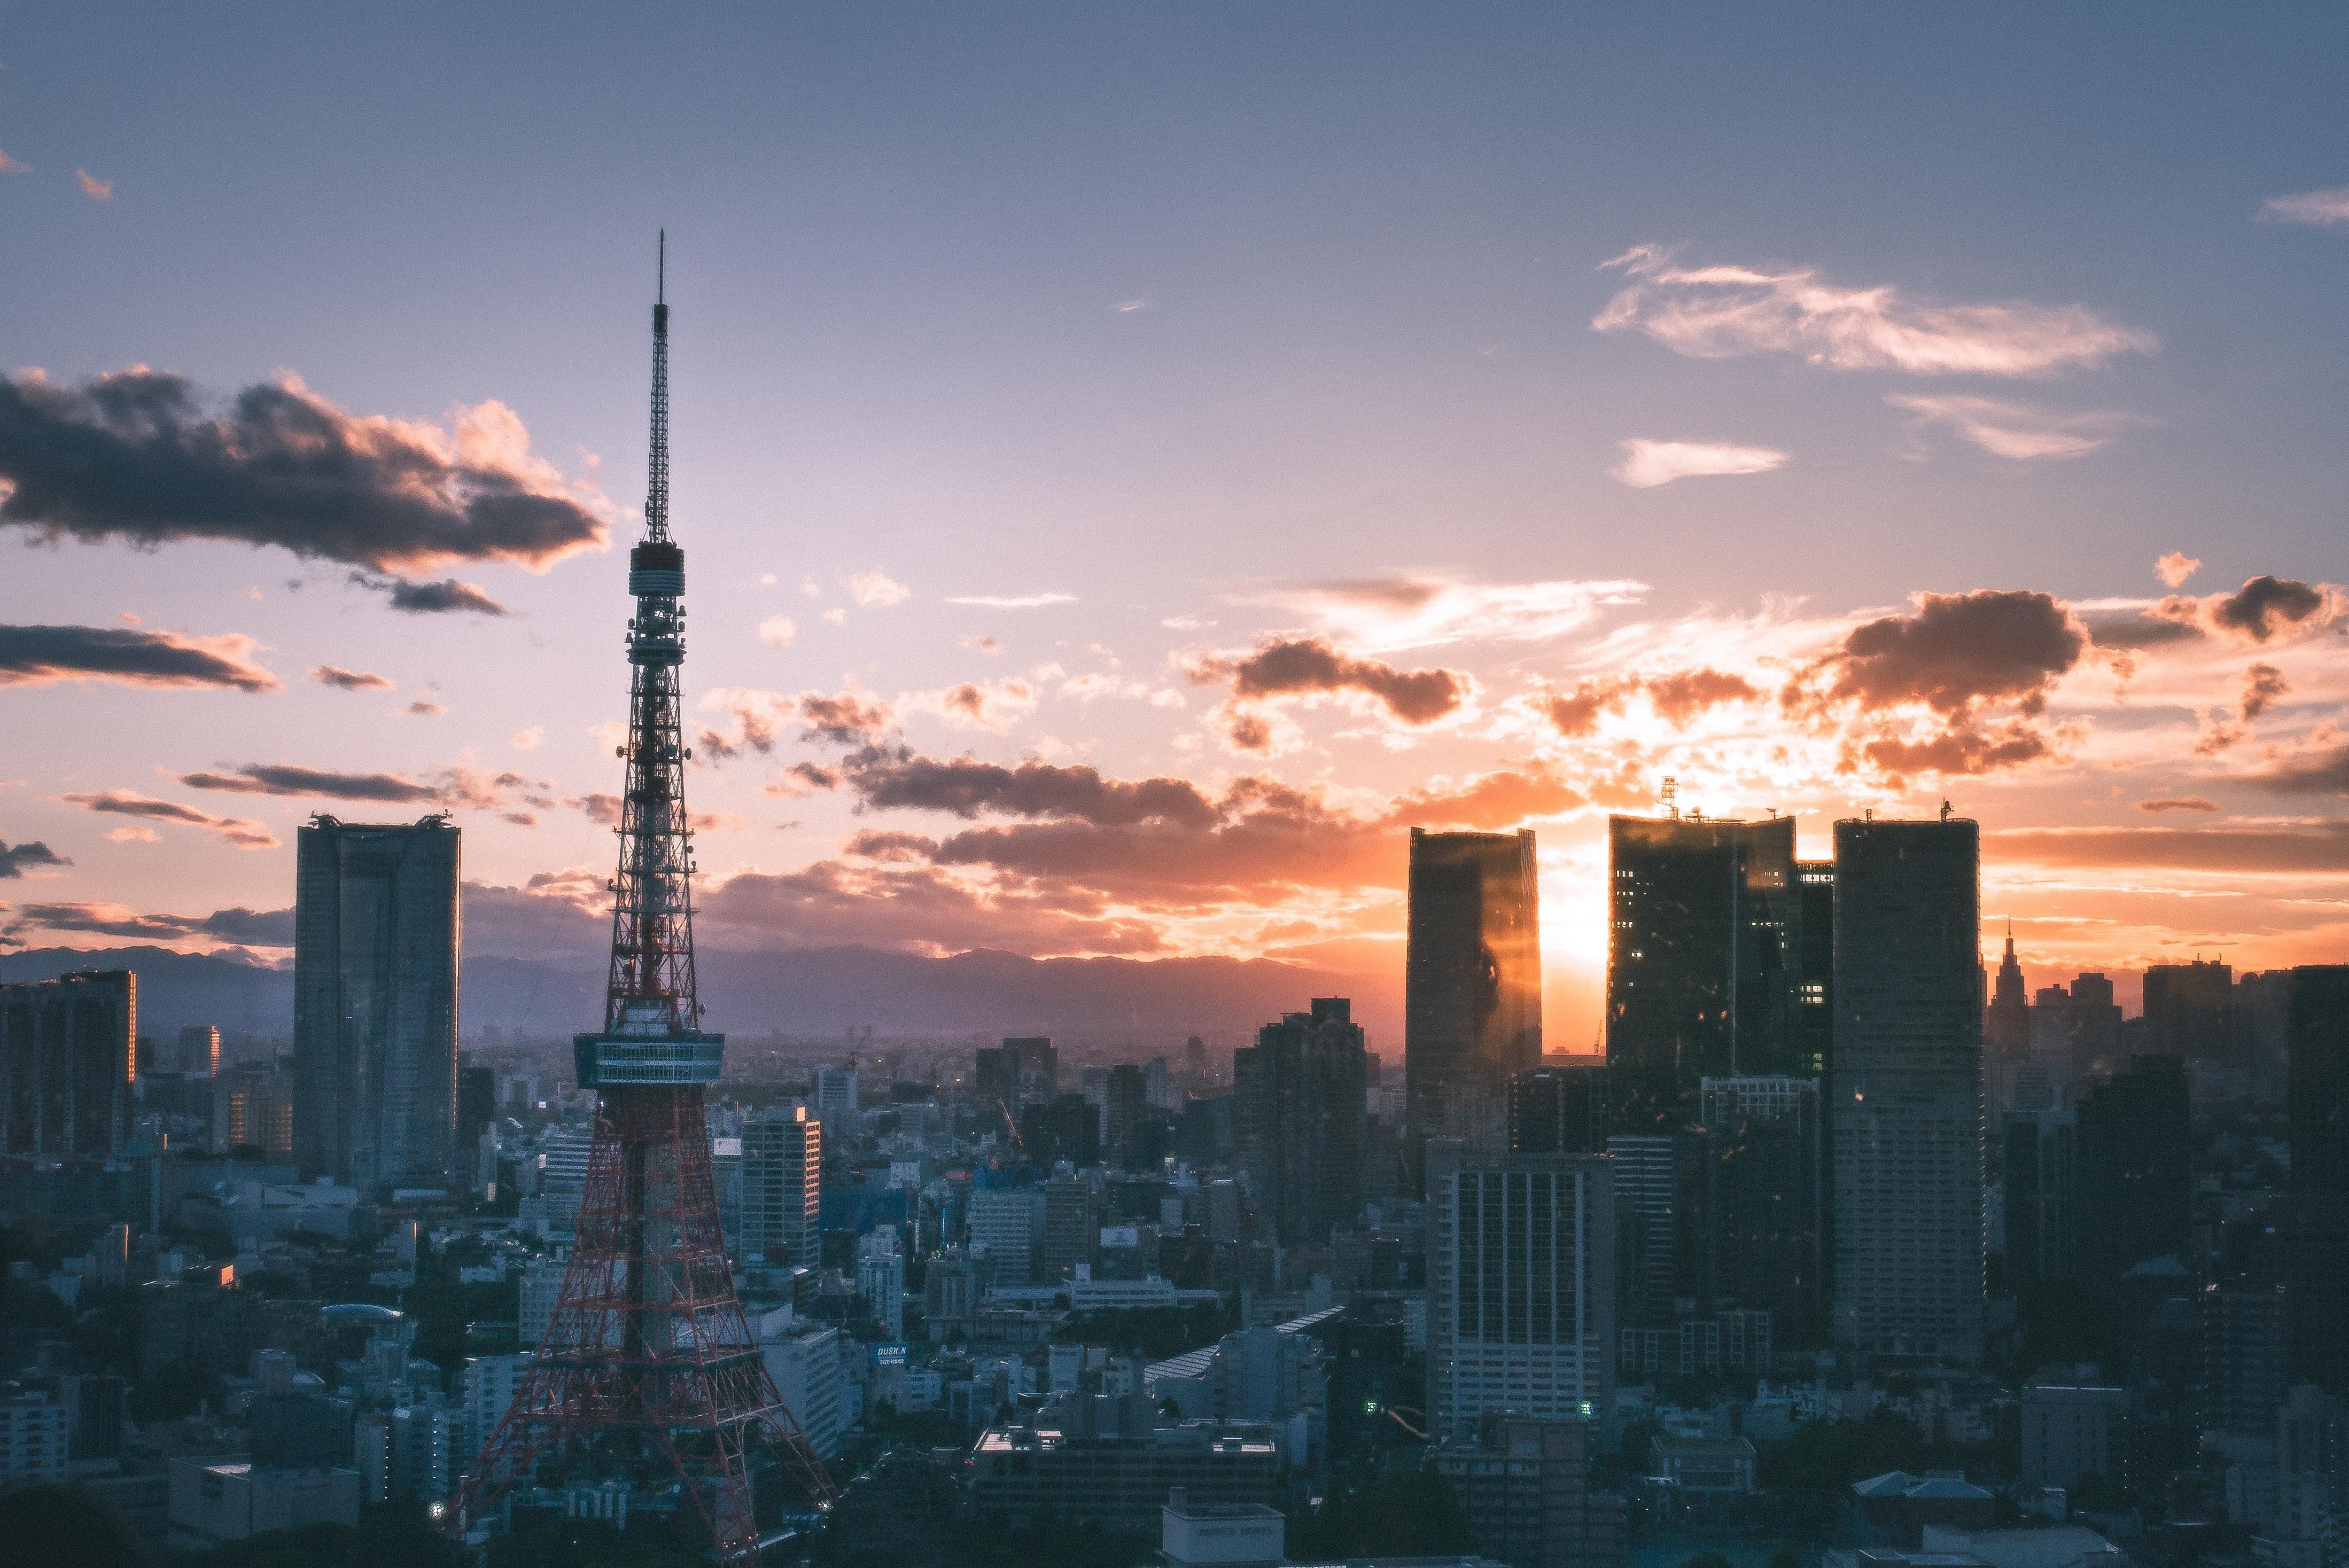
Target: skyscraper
[1762,1198]
[375,1001]
[782,1176]
[2188,1010]
[2006,1027]
[2135,1178]
[1906,1123]
[1472,982]
[1520,1286]
[1702,950]
[1298,1118]
[67,1049]
[1128,1095]
[1023,1071]
[2316,1277]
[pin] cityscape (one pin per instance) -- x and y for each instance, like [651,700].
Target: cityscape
[1624,1001]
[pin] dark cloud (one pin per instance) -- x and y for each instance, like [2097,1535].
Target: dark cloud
[2140,632]
[244,834]
[2180,803]
[1956,652]
[1313,667]
[2263,684]
[286,779]
[967,788]
[2320,772]
[603,811]
[2265,605]
[425,708]
[432,598]
[350,680]
[13,858]
[137,456]
[1956,752]
[914,908]
[240,927]
[1677,697]
[844,719]
[2319,849]
[30,655]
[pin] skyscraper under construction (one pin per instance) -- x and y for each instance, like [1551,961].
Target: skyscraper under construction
[648,1384]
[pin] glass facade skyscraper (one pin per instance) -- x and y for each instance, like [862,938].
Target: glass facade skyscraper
[1906,1121]
[375,928]
[1472,984]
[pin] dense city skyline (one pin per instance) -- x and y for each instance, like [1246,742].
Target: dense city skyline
[1305,439]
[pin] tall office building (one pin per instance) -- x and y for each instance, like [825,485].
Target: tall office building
[1072,1233]
[1472,984]
[2039,1155]
[1654,1203]
[2316,1276]
[2096,1025]
[1559,1107]
[1702,946]
[1127,1096]
[200,1050]
[1006,1079]
[1299,1121]
[2135,1177]
[834,1097]
[1762,1197]
[1814,949]
[376,927]
[1520,1286]
[2188,1010]
[2006,1026]
[66,1053]
[782,1186]
[1906,1119]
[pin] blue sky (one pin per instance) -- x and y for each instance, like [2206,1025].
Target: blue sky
[1181,312]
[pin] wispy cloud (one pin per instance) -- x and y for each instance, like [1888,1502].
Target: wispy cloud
[1383,614]
[94,188]
[1721,312]
[1647,464]
[1013,601]
[244,834]
[2015,431]
[14,165]
[2319,208]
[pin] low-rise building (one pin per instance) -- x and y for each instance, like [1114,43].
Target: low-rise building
[217,1501]
[1122,1482]
[1702,1466]
[33,1441]
[1525,1487]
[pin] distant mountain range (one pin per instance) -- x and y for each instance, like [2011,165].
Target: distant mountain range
[803,993]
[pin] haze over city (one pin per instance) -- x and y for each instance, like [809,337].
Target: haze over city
[1138,463]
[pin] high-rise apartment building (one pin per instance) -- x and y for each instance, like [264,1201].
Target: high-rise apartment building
[1520,1286]
[782,1186]
[881,1280]
[1127,1096]
[1072,1232]
[68,1048]
[833,1094]
[1023,1071]
[2317,1258]
[1472,984]
[1006,1225]
[375,928]
[1299,1121]
[200,1050]
[1560,1107]
[1906,1119]
[1702,953]
[2135,1171]
[1654,1193]
[1761,1193]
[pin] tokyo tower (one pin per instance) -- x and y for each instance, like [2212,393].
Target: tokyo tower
[648,1391]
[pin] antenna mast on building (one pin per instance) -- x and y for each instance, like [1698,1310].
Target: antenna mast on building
[650,1375]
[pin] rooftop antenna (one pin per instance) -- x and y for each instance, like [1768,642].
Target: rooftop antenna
[1671,796]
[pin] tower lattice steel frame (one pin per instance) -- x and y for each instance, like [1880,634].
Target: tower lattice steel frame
[649,1373]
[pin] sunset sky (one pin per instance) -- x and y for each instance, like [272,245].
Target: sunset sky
[1135,462]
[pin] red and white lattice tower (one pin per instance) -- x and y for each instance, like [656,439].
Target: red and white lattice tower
[650,1375]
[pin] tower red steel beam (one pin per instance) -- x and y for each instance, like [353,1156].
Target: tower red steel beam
[649,1375]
